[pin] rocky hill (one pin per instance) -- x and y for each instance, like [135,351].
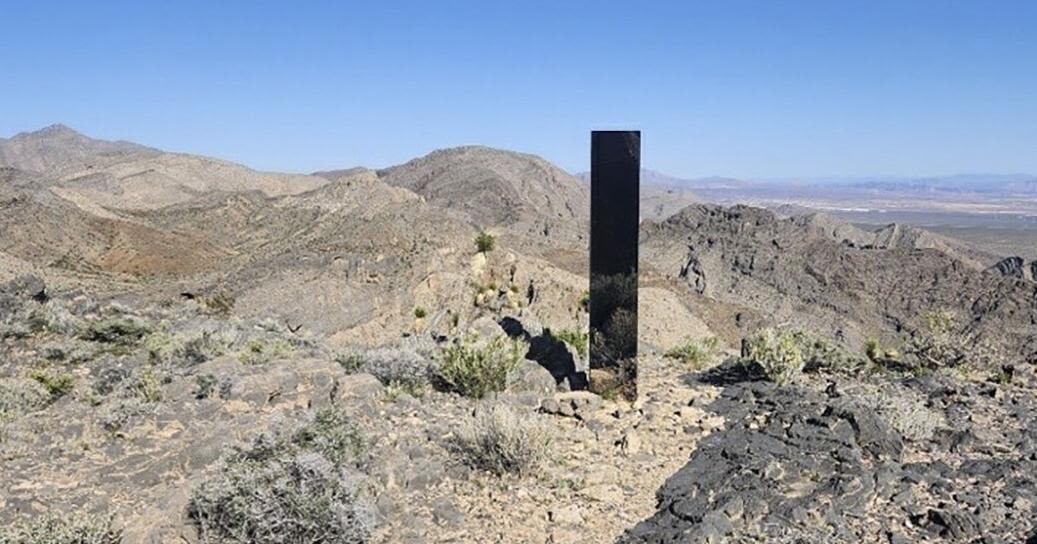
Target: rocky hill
[499,188]
[796,271]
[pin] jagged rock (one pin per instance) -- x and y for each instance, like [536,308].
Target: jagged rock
[579,404]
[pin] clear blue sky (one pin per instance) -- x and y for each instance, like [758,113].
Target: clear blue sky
[753,89]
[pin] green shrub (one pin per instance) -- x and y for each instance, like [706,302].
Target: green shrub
[420,312]
[502,441]
[147,384]
[61,529]
[485,242]
[287,489]
[778,354]
[475,369]
[57,383]
[259,352]
[576,339]
[695,353]
[585,301]
[350,362]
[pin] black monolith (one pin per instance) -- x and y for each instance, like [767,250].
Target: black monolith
[615,195]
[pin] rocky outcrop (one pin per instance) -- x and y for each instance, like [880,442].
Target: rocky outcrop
[1016,267]
[793,271]
[805,465]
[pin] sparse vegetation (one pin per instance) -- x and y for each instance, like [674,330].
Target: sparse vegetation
[401,369]
[20,396]
[147,384]
[905,412]
[220,303]
[576,339]
[420,312]
[119,330]
[485,242]
[695,353]
[286,489]
[332,434]
[116,416]
[944,344]
[57,383]
[258,352]
[61,529]
[585,301]
[502,441]
[476,368]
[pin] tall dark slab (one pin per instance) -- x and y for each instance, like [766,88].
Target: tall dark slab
[615,195]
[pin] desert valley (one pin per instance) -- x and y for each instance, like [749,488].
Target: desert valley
[195,351]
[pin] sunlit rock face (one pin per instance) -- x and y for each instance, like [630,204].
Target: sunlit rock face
[615,179]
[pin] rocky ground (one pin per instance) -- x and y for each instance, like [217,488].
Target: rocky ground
[116,411]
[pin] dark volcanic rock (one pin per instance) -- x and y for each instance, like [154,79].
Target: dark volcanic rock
[800,465]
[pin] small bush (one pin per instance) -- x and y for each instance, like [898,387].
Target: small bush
[332,434]
[502,441]
[58,384]
[121,330]
[286,490]
[778,354]
[475,369]
[116,416]
[400,368]
[576,339]
[220,304]
[420,312]
[259,352]
[20,396]
[350,362]
[695,353]
[147,384]
[944,344]
[61,529]
[485,242]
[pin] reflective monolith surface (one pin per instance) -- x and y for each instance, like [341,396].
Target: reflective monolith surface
[615,180]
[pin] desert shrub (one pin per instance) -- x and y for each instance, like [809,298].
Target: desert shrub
[400,368]
[194,350]
[585,301]
[116,330]
[502,441]
[220,304]
[944,344]
[695,353]
[147,384]
[350,362]
[784,354]
[63,529]
[778,354]
[576,339]
[420,312]
[332,434]
[116,415]
[20,396]
[258,352]
[485,242]
[57,383]
[475,369]
[286,489]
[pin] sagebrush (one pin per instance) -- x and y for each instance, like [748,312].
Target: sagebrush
[501,440]
[475,368]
